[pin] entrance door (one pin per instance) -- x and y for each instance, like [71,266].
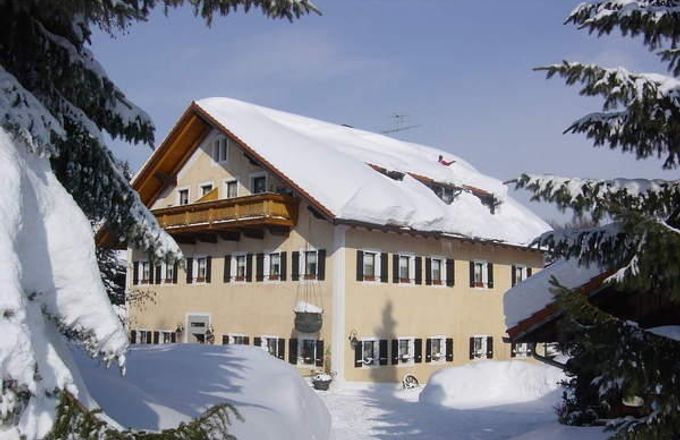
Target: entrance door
[198,326]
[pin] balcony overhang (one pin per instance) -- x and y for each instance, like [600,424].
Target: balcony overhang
[259,211]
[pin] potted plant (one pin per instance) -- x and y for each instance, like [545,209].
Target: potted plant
[321,381]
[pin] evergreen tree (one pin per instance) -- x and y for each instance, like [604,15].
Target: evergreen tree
[55,102]
[614,359]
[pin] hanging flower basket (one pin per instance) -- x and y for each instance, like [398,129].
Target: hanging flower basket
[308,322]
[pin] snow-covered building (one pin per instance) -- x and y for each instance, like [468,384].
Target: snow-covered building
[325,244]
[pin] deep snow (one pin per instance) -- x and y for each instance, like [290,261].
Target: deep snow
[167,384]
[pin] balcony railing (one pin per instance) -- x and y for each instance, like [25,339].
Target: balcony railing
[266,209]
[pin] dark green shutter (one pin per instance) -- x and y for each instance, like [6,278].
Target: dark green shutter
[395,268]
[151,273]
[190,270]
[135,273]
[281,348]
[513,275]
[383,267]
[382,347]
[227,269]
[157,274]
[259,267]
[395,351]
[208,268]
[321,264]
[358,361]
[156,337]
[319,353]
[419,270]
[472,275]
[246,340]
[133,336]
[292,351]
[257,341]
[284,266]
[418,348]
[174,272]
[489,268]
[428,350]
[295,270]
[489,347]
[360,265]
[472,348]
[249,267]
[528,272]
[428,271]
[449,349]
[450,272]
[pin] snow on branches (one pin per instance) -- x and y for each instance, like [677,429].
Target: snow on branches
[648,122]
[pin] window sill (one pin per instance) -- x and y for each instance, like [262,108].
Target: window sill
[308,277]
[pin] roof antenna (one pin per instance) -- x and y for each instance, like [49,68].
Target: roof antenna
[399,121]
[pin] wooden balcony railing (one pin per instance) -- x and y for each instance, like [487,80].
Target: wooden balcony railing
[267,209]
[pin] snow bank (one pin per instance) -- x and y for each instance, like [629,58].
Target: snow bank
[168,384]
[492,383]
[341,179]
[532,294]
[49,284]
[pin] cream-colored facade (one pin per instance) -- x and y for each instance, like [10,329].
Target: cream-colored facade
[377,325]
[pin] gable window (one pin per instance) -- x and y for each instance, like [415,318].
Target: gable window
[231,189]
[520,273]
[221,149]
[183,197]
[405,351]
[481,347]
[259,184]
[205,189]
[275,266]
[310,267]
[370,352]
[240,261]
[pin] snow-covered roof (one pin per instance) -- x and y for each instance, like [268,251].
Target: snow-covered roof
[534,294]
[331,163]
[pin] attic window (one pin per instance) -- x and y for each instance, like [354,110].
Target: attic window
[221,149]
[394,175]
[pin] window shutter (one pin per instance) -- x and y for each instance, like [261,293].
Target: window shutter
[284,265]
[225,339]
[281,348]
[208,269]
[513,275]
[246,340]
[357,355]
[173,337]
[360,265]
[428,271]
[395,268]
[418,348]
[513,350]
[135,273]
[295,274]
[190,270]
[383,267]
[382,350]
[530,348]
[133,336]
[257,341]
[449,349]
[450,272]
[157,274]
[321,266]
[151,273]
[489,269]
[472,348]
[227,268]
[174,272]
[259,267]
[428,350]
[319,353]
[395,351]
[249,268]
[472,275]
[489,347]
[292,351]
[419,270]
[155,337]
[149,335]
[528,272]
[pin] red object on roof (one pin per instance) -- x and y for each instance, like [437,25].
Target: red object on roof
[445,162]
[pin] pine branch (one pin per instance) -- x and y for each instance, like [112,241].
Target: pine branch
[649,123]
[656,20]
[672,57]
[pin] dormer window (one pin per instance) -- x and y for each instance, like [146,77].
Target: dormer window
[221,149]
[183,197]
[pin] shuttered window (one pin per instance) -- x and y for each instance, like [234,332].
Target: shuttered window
[145,272]
[481,347]
[371,266]
[240,267]
[519,273]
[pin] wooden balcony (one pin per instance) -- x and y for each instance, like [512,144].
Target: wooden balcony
[256,211]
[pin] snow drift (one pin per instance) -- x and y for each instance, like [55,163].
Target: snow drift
[492,383]
[50,284]
[168,384]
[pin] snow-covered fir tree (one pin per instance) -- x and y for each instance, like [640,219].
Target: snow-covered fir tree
[59,179]
[614,359]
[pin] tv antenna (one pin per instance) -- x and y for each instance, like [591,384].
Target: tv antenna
[399,124]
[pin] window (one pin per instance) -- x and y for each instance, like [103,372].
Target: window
[259,184]
[481,274]
[201,269]
[169,273]
[240,267]
[238,339]
[274,266]
[143,337]
[370,269]
[145,272]
[231,189]
[405,351]
[370,352]
[481,347]
[438,348]
[168,337]
[520,273]
[437,271]
[521,349]
[307,352]
[205,189]
[183,197]
[221,149]
[310,267]
[270,344]
[405,268]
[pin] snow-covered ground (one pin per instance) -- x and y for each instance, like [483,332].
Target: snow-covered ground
[499,409]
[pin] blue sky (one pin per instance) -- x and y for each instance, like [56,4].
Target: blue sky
[460,70]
